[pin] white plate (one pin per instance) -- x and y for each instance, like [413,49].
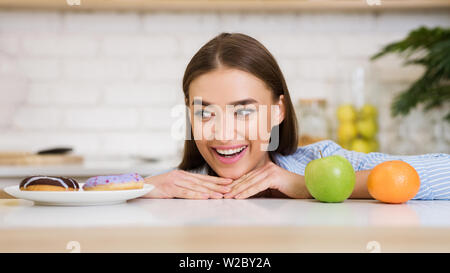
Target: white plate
[77,198]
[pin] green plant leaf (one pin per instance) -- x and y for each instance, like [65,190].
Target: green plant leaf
[433,88]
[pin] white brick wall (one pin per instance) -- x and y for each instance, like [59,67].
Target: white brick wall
[64,93]
[9,44]
[100,23]
[139,46]
[81,69]
[29,118]
[30,22]
[66,45]
[101,118]
[106,82]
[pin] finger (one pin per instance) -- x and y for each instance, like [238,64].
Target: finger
[254,189]
[209,178]
[210,185]
[245,177]
[248,176]
[246,184]
[240,179]
[181,192]
[214,187]
[191,185]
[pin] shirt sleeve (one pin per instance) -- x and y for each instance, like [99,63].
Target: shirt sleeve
[297,162]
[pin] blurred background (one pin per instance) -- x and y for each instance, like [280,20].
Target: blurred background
[102,77]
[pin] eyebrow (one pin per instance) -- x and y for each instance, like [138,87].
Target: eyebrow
[234,103]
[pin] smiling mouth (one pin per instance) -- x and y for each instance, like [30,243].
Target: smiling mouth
[230,152]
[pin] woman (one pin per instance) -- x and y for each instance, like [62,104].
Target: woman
[242,138]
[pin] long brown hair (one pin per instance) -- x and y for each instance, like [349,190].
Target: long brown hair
[239,51]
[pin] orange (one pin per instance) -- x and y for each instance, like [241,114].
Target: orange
[393,182]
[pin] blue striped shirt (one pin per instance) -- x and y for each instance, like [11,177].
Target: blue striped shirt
[433,169]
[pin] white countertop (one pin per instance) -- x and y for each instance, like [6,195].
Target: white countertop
[227,225]
[227,212]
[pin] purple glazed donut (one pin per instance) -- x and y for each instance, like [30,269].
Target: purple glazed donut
[128,181]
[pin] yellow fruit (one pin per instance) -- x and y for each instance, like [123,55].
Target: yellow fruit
[361,145]
[346,132]
[373,145]
[367,127]
[368,111]
[346,145]
[346,113]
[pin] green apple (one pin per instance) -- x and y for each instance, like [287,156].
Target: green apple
[330,179]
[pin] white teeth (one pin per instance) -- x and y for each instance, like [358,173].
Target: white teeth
[230,151]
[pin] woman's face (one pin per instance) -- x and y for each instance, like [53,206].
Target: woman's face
[232,113]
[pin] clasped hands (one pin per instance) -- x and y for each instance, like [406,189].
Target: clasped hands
[183,184]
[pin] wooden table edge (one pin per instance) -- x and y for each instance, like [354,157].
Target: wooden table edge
[212,239]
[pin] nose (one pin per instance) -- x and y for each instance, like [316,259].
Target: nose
[224,127]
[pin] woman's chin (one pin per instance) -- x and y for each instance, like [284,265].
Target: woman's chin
[233,174]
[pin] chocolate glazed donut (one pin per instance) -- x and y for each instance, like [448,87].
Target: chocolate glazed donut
[49,183]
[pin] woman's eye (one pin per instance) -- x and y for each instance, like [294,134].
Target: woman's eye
[244,112]
[204,114]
